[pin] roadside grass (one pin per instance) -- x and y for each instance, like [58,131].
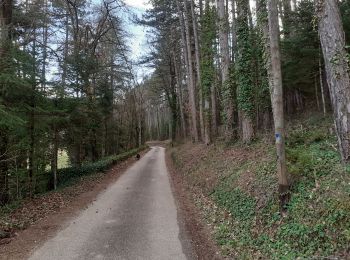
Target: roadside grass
[247,223]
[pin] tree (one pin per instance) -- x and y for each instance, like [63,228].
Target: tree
[225,62]
[204,133]
[337,69]
[191,77]
[244,73]
[208,35]
[277,102]
[5,46]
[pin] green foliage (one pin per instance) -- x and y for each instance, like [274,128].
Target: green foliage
[262,99]
[69,175]
[317,223]
[345,12]
[244,69]
[300,51]
[208,36]
[240,205]
[207,68]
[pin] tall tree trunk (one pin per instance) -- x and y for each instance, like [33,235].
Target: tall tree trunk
[337,69]
[31,120]
[139,126]
[5,43]
[45,38]
[277,102]
[54,159]
[316,94]
[234,31]
[265,62]
[4,189]
[192,90]
[179,86]
[225,62]
[186,46]
[213,99]
[199,81]
[244,73]
[65,56]
[322,87]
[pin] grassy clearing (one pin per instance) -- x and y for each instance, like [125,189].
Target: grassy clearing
[241,182]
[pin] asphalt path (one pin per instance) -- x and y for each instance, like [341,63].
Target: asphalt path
[135,218]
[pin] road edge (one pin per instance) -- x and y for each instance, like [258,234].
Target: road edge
[189,217]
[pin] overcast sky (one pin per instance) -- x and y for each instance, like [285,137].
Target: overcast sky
[137,42]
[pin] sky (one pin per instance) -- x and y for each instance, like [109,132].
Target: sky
[141,4]
[137,42]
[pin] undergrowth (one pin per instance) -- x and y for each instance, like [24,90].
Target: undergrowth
[318,220]
[68,177]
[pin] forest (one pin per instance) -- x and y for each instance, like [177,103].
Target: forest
[66,87]
[233,70]
[270,76]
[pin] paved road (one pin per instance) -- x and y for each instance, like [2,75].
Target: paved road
[136,218]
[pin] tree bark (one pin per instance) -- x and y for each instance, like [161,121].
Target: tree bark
[234,31]
[45,38]
[186,42]
[199,81]
[316,94]
[277,102]
[322,87]
[178,76]
[225,62]
[54,157]
[244,73]
[337,69]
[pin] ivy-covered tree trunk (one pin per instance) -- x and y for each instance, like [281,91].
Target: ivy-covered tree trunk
[208,71]
[277,102]
[337,69]
[225,63]
[264,65]
[244,74]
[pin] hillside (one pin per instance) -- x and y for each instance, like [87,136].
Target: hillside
[234,186]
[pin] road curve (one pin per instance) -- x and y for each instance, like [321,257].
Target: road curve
[135,218]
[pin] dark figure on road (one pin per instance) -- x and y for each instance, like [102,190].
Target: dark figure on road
[138,156]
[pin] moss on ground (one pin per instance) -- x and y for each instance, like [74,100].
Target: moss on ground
[245,187]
